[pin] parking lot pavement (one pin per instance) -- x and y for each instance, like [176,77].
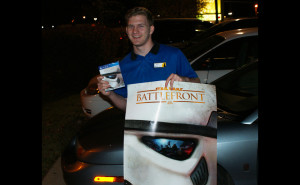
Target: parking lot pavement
[54,176]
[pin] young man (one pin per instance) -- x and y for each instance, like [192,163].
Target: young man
[149,61]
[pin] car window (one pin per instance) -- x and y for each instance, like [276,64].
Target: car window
[237,92]
[170,31]
[228,25]
[229,55]
[196,49]
[247,23]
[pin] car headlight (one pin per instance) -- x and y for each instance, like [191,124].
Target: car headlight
[174,148]
[70,156]
[92,89]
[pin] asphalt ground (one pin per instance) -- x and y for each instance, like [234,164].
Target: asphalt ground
[54,175]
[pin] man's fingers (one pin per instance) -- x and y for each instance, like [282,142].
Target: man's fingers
[173,77]
[99,78]
[168,79]
[102,85]
[171,83]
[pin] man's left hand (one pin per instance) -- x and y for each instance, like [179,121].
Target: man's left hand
[174,77]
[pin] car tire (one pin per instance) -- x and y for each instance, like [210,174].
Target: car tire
[223,177]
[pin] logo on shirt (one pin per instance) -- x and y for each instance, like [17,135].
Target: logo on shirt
[166,95]
[160,65]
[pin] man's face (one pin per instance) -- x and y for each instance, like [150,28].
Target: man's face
[138,30]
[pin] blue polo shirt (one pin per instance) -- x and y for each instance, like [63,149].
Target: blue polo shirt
[158,64]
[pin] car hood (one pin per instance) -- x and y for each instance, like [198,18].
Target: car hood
[100,141]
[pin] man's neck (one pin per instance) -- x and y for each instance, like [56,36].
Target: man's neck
[144,49]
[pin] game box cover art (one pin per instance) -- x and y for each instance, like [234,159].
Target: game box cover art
[112,74]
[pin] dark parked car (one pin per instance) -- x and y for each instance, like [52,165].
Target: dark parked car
[228,24]
[177,31]
[96,152]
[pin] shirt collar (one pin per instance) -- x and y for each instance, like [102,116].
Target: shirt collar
[153,50]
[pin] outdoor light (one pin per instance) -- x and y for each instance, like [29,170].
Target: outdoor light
[255,8]
[95,18]
[83,17]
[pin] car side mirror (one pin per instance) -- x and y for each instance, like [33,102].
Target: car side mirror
[208,63]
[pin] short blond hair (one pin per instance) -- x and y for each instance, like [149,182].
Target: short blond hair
[140,11]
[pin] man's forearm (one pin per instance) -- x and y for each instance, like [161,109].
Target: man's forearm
[187,79]
[118,101]
[195,80]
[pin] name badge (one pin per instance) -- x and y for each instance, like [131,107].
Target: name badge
[160,65]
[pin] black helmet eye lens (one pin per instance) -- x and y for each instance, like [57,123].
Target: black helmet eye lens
[111,76]
[178,149]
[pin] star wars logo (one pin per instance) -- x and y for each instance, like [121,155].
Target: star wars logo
[170,96]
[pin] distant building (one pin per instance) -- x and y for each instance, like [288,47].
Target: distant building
[226,9]
[208,12]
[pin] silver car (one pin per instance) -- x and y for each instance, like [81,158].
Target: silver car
[95,155]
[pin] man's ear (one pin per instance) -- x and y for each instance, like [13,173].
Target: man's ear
[151,29]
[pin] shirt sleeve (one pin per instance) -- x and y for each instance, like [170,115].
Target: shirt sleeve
[184,67]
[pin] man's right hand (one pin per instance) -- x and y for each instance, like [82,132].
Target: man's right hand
[118,101]
[102,85]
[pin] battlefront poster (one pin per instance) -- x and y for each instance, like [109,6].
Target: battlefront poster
[170,136]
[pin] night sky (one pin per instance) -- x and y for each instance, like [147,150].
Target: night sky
[60,11]
[63,11]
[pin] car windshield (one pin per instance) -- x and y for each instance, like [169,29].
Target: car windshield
[171,31]
[228,25]
[237,92]
[215,27]
[198,48]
